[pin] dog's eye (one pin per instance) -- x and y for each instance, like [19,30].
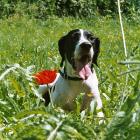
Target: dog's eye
[75,34]
[91,38]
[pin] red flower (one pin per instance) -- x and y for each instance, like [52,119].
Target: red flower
[45,77]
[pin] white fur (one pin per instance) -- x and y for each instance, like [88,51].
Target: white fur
[82,40]
[66,91]
[70,70]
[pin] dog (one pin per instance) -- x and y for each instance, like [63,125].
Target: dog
[79,50]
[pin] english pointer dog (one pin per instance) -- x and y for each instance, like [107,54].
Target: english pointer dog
[79,50]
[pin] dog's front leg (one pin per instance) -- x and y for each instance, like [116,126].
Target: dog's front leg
[99,105]
[94,95]
[94,104]
[97,100]
[93,101]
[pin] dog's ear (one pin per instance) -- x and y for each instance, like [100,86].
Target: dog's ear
[96,47]
[62,49]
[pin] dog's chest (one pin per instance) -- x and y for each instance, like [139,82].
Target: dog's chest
[66,91]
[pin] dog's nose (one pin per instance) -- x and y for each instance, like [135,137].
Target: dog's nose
[85,46]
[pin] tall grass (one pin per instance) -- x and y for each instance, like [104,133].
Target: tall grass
[34,42]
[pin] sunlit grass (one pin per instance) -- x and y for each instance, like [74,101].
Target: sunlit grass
[34,42]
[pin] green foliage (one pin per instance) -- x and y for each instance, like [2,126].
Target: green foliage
[77,8]
[125,124]
[34,8]
[28,41]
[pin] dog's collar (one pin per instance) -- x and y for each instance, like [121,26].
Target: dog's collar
[65,76]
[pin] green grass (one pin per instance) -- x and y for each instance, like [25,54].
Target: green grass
[34,42]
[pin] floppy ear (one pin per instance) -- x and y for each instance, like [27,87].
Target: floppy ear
[62,50]
[96,47]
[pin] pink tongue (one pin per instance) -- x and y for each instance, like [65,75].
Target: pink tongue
[85,72]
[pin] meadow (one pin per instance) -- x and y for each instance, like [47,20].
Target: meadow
[28,45]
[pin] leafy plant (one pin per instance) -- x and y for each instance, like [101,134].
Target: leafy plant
[42,9]
[28,41]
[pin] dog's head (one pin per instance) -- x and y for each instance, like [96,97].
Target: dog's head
[81,49]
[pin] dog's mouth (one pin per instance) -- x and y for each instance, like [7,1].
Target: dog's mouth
[82,66]
[85,58]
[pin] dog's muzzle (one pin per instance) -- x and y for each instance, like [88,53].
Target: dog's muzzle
[85,52]
[85,46]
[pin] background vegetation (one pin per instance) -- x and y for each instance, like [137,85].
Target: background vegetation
[77,8]
[29,34]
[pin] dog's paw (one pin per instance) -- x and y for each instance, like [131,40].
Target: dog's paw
[100,114]
[102,122]
[101,117]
